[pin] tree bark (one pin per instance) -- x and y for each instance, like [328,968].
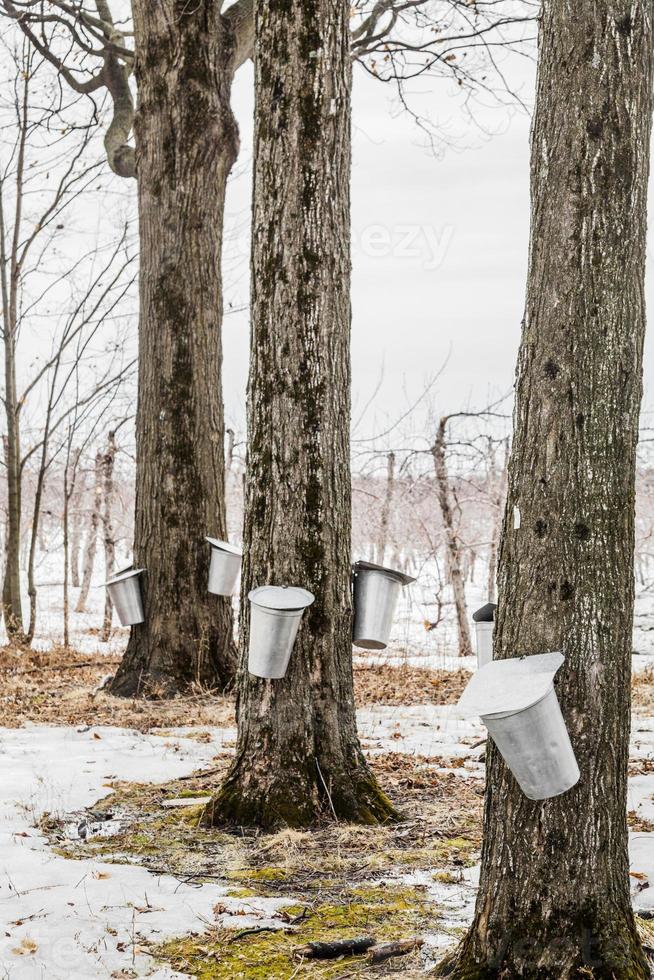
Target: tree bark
[186,144]
[229,453]
[9,282]
[11,598]
[384,522]
[298,756]
[451,540]
[71,472]
[66,551]
[92,536]
[76,531]
[554,895]
[107,528]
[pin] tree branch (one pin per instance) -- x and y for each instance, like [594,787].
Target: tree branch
[239,19]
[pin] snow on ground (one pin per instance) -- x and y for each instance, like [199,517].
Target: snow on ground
[421,729]
[64,919]
[455,902]
[87,919]
[68,919]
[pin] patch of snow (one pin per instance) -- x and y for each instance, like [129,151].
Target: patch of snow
[68,919]
[455,902]
[420,729]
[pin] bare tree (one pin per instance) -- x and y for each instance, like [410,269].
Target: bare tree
[76,531]
[187,138]
[454,563]
[108,461]
[91,536]
[554,896]
[298,754]
[404,43]
[387,503]
[43,175]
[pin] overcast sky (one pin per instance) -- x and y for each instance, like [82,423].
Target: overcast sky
[439,252]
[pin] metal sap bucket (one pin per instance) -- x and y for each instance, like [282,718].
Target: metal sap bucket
[376,591]
[518,704]
[275,616]
[125,593]
[484,620]
[224,568]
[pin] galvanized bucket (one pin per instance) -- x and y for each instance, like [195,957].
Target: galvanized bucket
[376,591]
[517,702]
[275,616]
[125,593]
[484,620]
[224,568]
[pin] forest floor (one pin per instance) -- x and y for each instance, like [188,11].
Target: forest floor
[104,871]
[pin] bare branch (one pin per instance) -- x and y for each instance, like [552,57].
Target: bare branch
[239,19]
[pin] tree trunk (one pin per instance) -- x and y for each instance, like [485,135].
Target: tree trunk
[11,599]
[554,893]
[186,144]
[70,481]
[108,461]
[75,535]
[229,452]
[298,755]
[451,540]
[382,540]
[9,285]
[66,550]
[92,536]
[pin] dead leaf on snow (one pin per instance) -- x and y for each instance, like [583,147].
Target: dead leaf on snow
[27,947]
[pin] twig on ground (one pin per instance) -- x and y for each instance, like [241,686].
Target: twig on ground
[329,795]
[331,951]
[379,954]
[256,930]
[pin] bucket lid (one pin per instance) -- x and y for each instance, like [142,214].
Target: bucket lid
[231,549]
[486,614]
[122,576]
[509,686]
[368,566]
[281,597]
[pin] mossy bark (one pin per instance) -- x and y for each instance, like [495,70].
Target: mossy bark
[298,755]
[186,144]
[554,894]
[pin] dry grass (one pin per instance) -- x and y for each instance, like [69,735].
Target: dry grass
[642,691]
[441,829]
[59,688]
[386,684]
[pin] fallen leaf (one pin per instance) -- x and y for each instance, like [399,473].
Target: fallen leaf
[27,947]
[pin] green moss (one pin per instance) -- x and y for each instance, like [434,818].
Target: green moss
[457,850]
[355,797]
[384,912]
[445,877]
[258,874]
[185,794]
